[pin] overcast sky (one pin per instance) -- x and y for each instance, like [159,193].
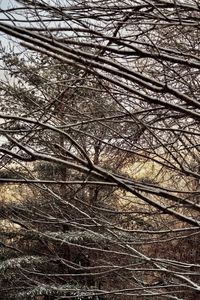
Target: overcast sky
[4,4]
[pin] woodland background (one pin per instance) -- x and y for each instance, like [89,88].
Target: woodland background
[99,145]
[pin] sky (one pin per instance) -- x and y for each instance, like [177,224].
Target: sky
[4,4]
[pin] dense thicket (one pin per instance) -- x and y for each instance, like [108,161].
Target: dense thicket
[100,134]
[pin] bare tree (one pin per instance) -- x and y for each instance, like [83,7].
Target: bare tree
[103,118]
